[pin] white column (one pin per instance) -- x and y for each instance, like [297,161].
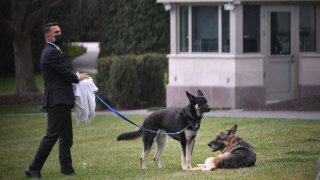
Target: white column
[318,28]
[173,29]
[236,30]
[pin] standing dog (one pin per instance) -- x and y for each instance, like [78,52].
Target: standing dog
[186,121]
[236,153]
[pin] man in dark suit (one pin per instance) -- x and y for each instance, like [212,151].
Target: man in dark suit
[58,101]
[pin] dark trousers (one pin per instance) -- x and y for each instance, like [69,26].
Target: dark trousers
[59,127]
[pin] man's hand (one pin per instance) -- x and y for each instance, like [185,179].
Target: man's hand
[83,76]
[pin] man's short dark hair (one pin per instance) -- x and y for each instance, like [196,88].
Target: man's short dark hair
[46,28]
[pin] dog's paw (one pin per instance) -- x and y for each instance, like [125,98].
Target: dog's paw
[185,168]
[201,165]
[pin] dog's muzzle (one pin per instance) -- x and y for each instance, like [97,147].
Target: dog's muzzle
[207,109]
[214,147]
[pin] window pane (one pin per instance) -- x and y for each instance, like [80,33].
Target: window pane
[307,28]
[204,29]
[225,31]
[251,29]
[280,33]
[184,40]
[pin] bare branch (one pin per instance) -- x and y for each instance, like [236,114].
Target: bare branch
[54,4]
[33,17]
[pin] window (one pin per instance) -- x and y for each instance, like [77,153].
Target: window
[184,35]
[199,29]
[225,31]
[204,29]
[251,28]
[280,33]
[307,29]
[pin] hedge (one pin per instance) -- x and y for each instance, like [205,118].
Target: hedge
[133,81]
[133,27]
[73,51]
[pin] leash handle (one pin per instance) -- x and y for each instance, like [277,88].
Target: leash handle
[131,122]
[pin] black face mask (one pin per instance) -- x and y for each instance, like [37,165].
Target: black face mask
[58,40]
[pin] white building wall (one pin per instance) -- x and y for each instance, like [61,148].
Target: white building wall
[249,71]
[309,71]
[226,80]
[201,70]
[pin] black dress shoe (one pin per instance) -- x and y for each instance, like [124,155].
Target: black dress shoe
[68,174]
[32,173]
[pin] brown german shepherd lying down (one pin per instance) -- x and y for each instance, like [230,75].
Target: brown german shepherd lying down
[236,153]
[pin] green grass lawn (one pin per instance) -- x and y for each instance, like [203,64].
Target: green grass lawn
[8,85]
[20,108]
[286,149]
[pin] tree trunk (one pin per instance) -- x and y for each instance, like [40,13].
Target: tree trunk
[25,81]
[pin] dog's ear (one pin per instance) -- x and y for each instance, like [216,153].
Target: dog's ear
[232,131]
[200,93]
[190,96]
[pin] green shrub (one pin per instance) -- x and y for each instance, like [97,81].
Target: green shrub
[151,69]
[133,27]
[102,77]
[132,81]
[124,82]
[73,51]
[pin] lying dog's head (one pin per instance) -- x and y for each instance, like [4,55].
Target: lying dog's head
[199,102]
[223,139]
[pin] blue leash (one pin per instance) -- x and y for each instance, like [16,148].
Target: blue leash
[133,123]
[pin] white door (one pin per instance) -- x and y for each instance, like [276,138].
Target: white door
[280,53]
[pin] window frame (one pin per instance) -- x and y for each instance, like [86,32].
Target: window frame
[220,51]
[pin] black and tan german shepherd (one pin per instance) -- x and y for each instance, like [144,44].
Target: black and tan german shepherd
[186,120]
[236,153]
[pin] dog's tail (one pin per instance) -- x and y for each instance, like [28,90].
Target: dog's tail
[129,135]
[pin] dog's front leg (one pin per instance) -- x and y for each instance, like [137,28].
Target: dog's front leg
[183,155]
[189,150]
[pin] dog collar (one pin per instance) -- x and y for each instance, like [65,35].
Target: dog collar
[194,126]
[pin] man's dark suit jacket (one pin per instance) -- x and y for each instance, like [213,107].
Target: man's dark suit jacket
[58,78]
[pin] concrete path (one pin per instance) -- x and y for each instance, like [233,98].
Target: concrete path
[238,114]
[87,62]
